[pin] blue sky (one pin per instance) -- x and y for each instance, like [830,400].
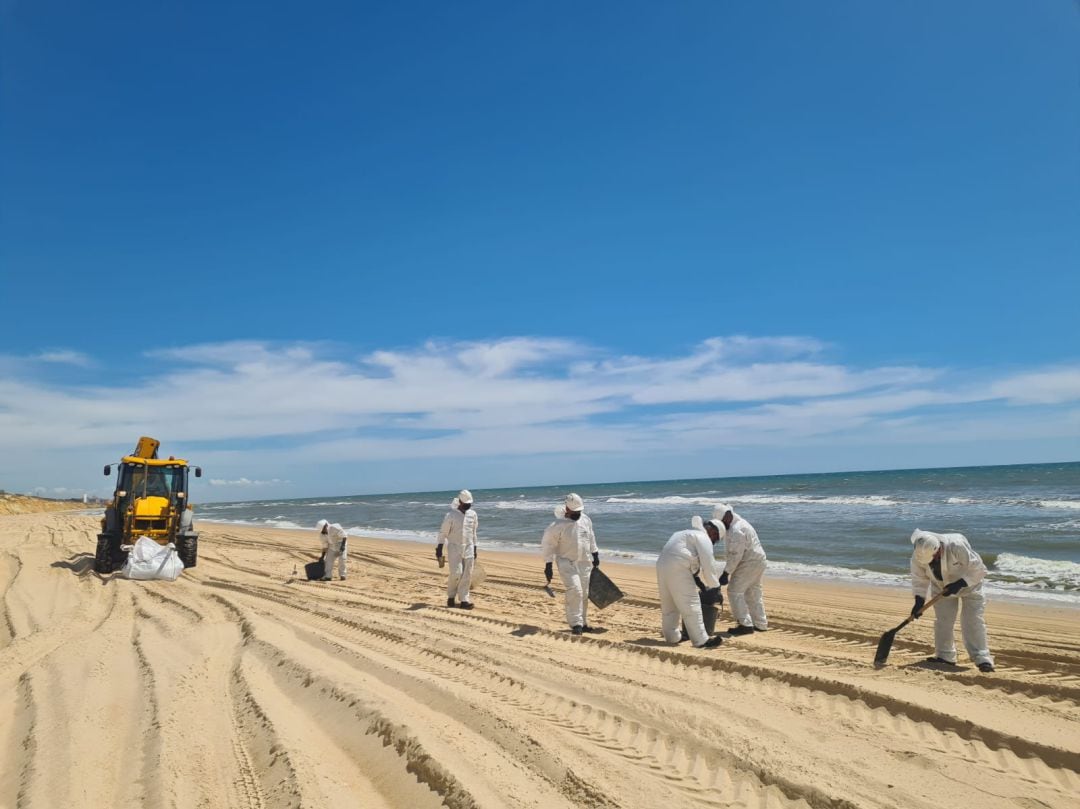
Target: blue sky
[338,248]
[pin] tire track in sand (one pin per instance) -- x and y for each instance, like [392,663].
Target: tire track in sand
[702,774]
[624,656]
[431,743]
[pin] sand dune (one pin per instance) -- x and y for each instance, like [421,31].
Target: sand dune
[241,686]
[25,504]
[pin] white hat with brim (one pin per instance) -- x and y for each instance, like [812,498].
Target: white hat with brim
[573,502]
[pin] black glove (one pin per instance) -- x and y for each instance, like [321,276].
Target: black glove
[917,609]
[596,560]
[711,596]
[438,551]
[723,579]
[700,584]
[547,572]
[954,587]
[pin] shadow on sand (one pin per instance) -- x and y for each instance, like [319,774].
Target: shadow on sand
[660,642]
[932,666]
[525,630]
[82,565]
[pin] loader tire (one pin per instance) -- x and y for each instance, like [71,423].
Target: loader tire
[103,555]
[187,548]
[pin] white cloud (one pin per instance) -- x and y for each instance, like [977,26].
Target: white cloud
[65,357]
[245,482]
[290,405]
[58,492]
[1050,386]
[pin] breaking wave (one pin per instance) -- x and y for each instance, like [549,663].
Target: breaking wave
[287,525]
[1031,570]
[527,505]
[874,500]
[1071,505]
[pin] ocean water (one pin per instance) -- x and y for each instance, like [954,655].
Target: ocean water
[1023,520]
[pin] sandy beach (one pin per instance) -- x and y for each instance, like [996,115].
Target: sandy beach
[241,685]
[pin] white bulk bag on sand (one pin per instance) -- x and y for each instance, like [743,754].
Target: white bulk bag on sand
[148,560]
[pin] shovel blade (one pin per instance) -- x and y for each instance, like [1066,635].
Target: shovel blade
[884,647]
[549,591]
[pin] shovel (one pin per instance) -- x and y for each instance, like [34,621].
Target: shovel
[885,644]
[549,591]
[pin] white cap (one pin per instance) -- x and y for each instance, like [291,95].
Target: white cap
[720,509]
[926,545]
[574,502]
[464,496]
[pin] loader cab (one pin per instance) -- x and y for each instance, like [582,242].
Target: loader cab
[140,480]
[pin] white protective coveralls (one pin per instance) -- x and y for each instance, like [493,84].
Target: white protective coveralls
[458,531]
[570,545]
[745,565]
[958,561]
[335,548]
[686,554]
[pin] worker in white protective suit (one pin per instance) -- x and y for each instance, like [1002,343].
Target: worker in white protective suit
[744,566]
[335,548]
[946,563]
[686,559]
[458,533]
[569,542]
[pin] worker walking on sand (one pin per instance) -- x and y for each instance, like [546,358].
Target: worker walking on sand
[686,559]
[744,567]
[569,542]
[946,563]
[458,533]
[335,548]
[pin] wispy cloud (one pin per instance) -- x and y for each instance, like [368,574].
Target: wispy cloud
[65,357]
[1048,386]
[286,404]
[244,483]
[58,492]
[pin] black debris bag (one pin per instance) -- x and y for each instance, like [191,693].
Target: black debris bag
[602,590]
[709,614]
[315,570]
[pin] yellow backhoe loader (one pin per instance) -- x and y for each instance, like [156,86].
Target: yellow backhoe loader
[151,500]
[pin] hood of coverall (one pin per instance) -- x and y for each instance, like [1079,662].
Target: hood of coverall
[926,545]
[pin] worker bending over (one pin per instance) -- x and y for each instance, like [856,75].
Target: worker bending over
[686,559]
[335,548]
[946,563]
